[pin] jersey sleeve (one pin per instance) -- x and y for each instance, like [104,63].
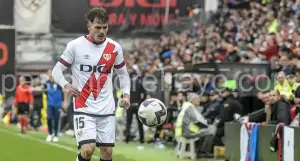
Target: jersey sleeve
[67,58]
[119,62]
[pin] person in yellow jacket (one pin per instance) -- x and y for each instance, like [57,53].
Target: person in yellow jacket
[191,124]
[292,82]
[283,86]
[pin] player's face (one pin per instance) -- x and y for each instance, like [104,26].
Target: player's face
[98,30]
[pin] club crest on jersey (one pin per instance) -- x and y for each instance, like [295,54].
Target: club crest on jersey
[106,56]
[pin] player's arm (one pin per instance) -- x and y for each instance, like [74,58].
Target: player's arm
[64,63]
[66,100]
[120,68]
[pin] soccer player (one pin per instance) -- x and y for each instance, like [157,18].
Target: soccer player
[92,58]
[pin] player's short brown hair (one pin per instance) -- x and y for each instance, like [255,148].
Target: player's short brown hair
[98,13]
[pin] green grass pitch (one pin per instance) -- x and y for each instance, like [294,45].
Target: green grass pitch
[33,147]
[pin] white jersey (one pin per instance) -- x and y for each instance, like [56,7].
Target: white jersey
[92,69]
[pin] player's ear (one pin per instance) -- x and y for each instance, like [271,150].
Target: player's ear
[88,26]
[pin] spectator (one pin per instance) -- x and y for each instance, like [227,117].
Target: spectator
[271,48]
[181,98]
[137,96]
[253,58]
[292,82]
[283,86]
[278,110]
[191,124]
[173,108]
[232,54]
[259,100]
[260,115]
[213,109]
[285,65]
[37,91]
[228,109]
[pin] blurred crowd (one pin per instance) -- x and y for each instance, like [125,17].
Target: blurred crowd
[241,31]
[261,31]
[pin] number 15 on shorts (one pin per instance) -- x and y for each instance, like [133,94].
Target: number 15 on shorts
[79,121]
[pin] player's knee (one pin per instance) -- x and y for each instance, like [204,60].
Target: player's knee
[87,150]
[106,151]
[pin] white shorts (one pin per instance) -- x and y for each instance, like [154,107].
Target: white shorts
[94,129]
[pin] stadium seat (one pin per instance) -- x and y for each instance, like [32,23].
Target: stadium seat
[181,147]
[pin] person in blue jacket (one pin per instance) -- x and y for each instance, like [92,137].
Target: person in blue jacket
[54,100]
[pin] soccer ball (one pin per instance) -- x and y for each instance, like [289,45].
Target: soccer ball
[152,112]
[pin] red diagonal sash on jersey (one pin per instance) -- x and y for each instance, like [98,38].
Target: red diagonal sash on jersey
[94,85]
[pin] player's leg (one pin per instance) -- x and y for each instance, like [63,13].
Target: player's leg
[106,153]
[85,133]
[106,127]
[49,122]
[86,152]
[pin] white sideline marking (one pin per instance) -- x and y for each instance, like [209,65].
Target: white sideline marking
[44,142]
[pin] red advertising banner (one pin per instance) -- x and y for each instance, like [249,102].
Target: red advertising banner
[124,15]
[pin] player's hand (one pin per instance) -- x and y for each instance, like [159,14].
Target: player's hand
[30,107]
[125,101]
[72,90]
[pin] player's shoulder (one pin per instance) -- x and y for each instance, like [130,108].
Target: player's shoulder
[76,41]
[109,40]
